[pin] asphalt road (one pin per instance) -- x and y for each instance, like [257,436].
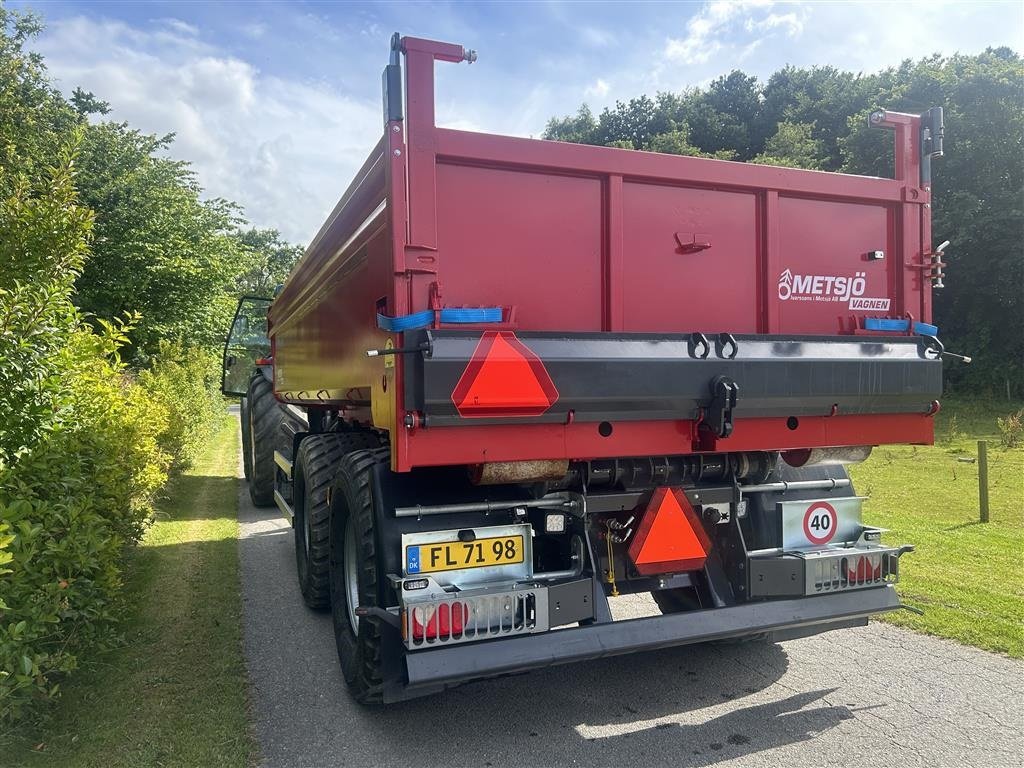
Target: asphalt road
[876,696]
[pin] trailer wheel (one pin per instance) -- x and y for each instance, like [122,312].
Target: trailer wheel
[243,413]
[354,578]
[264,430]
[316,465]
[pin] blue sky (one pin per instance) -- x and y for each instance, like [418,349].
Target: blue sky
[277,104]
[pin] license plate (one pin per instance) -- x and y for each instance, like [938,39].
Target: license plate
[459,555]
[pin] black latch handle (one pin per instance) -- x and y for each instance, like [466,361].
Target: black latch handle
[724,396]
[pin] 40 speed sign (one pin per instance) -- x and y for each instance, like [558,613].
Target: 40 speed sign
[819,522]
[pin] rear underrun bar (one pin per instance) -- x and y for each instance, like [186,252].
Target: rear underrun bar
[429,671]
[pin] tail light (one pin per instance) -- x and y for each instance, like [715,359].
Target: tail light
[430,621]
[436,622]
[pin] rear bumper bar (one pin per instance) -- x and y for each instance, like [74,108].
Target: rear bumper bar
[431,671]
[608,376]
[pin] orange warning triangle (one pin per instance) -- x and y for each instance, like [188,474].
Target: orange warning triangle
[670,538]
[503,378]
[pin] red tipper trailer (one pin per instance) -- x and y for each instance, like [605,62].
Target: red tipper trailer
[539,374]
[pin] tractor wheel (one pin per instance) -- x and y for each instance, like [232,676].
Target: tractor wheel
[264,415]
[316,465]
[243,412]
[354,576]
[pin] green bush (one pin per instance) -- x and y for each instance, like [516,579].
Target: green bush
[85,444]
[72,502]
[186,380]
[80,450]
[1011,429]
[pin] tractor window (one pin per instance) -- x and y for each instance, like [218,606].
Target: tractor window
[246,343]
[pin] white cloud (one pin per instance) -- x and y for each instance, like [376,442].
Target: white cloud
[792,23]
[596,37]
[598,89]
[705,29]
[284,149]
[255,30]
[180,27]
[717,25]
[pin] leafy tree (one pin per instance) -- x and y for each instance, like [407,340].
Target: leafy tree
[823,97]
[675,142]
[793,145]
[34,119]
[636,122]
[159,249]
[978,201]
[86,103]
[580,128]
[728,116]
[272,260]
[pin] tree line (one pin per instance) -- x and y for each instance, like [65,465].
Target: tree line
[816,118]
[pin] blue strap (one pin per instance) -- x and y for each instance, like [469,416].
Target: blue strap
[887,324]
[471,315]
[425,318]
[405,322]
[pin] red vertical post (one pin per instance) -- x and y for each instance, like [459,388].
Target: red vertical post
[769,316]
[420,56]
[913,230]
[419,94]
[412,199]
[614,319]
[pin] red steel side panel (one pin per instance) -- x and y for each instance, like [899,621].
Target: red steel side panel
[669,287]
[507,237]
[822,244]
[319,331]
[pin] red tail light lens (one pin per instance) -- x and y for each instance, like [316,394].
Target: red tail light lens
[439,623]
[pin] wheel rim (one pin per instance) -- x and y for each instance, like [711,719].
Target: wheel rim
[351,576]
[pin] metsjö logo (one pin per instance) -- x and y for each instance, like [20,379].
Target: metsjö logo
[829,288]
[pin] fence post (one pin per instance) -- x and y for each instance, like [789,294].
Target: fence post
[983,479]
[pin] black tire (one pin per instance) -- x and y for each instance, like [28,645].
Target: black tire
[265,415]
[243,412]
[316,464]
[352,534]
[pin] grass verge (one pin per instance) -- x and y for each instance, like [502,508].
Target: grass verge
[968,577]
[175,694]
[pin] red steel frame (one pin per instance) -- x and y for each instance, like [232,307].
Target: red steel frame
[402,173]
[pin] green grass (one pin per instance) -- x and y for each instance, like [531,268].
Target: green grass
[966,576]
[175,694]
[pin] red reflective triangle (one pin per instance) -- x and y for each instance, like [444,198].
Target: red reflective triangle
[503,378]
[670,538]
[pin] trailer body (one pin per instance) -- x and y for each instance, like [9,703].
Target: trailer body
[628,340]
